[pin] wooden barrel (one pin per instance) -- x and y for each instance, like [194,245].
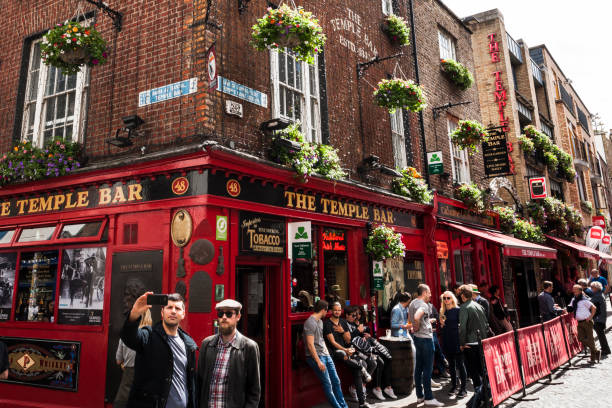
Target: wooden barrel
[402,364]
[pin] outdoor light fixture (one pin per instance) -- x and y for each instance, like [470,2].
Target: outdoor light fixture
[130,124]
[270,126]
[372,162]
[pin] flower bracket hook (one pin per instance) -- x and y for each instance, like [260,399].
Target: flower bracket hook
[243,5]
[116,16]
[363,66]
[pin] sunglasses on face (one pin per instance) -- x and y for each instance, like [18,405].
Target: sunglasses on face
[228,313]
[447,298]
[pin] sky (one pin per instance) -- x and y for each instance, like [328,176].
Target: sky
[577,34]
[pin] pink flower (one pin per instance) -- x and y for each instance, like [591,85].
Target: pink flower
[95,61]
[104,54]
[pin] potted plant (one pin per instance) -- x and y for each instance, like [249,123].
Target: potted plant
[397,30]
[399,93]
[329,165]
[290,29]
[507,218]
[587,206]
[527,231]
[70,46]
[457,73]
[412,185]
[526,144]
[384,243]
[471,195]
[469,134]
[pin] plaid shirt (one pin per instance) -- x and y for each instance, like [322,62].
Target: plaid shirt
[219,378]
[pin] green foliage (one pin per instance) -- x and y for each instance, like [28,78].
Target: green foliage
[507,218]
[556,159]
[26,162]
[62,42]
[555,217]
[588,206]
[471,195]
[289,28]
[551,161]
[412,185]
[527,231]
[469,134]
[397,29]
[398,93]
[384,243]
[457,73]
[526,144]
[329,165]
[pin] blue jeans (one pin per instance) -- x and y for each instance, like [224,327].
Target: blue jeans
[329,379]
[424,366]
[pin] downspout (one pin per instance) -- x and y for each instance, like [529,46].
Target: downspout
[418,82]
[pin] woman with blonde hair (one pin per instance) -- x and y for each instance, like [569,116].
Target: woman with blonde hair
[449,320]
[125,358]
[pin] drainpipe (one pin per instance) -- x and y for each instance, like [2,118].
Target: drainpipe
[417,80]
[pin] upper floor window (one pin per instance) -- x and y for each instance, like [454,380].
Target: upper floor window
[53,103]
[387,7]
[459,157]
[295,86]
[398,138]
[447,46]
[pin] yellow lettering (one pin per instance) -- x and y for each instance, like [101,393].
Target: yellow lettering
[382,216]
[134,192]
[334,207]
[20,204]
[300,201]
[364,213]
[390,217]
[119,197]
[311,203]
[352,209]
[289,197]
[325,202]
[82,199]
[342,209]
[59,200]
[33,205]
[376,215]
[69,202]
[6,208]
[104,196]
[46,203]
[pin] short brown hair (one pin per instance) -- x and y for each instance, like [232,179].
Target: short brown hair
[547,284]
[422,288]
[466,290]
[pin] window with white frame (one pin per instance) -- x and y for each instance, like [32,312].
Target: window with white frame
[387,7]
[581,186]
[459,157]
[447,45]
[398,139]
[54,103]
[295,86]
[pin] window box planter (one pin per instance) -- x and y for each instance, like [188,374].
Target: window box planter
[457,73]
[396,29]
[412,186]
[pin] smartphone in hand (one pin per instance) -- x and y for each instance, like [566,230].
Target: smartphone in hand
[161,300]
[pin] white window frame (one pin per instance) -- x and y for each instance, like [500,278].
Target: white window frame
[447,45]
[311,126]
[39,103]
[398,139]
[387,7]
[461,174]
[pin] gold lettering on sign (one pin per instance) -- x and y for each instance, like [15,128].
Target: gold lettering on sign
[6,208]
[104,196]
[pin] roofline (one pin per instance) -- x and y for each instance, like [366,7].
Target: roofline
[452,13]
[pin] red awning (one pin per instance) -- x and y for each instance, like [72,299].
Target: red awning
[511,246]
[583,250]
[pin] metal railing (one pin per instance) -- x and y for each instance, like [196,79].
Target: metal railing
[547,130]
[515,49]
[536,72]
[524,110]
[566,98]
[583,119]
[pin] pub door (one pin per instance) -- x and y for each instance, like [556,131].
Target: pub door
[526,290]
[133,273]
[258,289]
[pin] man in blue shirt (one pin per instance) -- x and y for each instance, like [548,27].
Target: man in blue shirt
[399,316]
[596,277]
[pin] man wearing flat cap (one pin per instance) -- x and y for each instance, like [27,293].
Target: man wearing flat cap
[228,370]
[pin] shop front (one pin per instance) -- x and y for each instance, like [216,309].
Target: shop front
[76,251]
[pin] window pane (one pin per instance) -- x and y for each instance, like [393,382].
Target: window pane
[33,93]
[36,234]
[50,115]
[282,71]
[297,106]
[36,57]
[298,74]
[50,81]
[290,71]
[60,112]
[6,236]
[8,266]
[70,111]
[82,230]
[305,280]
[335,267]
[313,81]
[72,80]
[283,110]
[61,82]
[37,278]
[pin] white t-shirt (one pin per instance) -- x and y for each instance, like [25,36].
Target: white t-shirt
[583,309]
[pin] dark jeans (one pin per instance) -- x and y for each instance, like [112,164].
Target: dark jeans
[439,355]
[423,367]
[355,365]
[329,379]
[455,363]
[473,364]
[600,329]
[382,375]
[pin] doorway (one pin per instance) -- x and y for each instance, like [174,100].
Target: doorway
[258,289]
[526,290]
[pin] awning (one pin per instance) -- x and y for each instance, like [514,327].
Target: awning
[511,246]
[583,250]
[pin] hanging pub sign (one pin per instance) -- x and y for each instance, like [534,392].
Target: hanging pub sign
[435,163]
[594,237]
[537,188]
[599,221]
[43,363]
[495,153]
[262,234]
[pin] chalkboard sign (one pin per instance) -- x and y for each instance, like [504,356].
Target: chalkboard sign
[495,154]
[261,234]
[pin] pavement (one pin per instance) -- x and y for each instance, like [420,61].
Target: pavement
[581,385]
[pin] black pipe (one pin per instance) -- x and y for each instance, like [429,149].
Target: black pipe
[418,82]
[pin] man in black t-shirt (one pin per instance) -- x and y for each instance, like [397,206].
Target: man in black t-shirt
[4,363]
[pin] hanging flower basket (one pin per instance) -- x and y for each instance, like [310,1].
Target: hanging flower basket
[397,30]
[471,195]
[398,93]
[412,185]
[526,144]
[457,73]
[385,243]
[469,134]
[291,29]
[70,46]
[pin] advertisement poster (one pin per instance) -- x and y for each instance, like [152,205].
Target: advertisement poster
[502,366]
[262,234]
[36,286]
[43,363]
[82,286]
[557,351]
[533,353]
[8,265]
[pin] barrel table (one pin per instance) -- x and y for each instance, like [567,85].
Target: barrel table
[402,365]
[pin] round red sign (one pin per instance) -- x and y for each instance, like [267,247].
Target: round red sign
[180,185]
[606,240]
[233,188]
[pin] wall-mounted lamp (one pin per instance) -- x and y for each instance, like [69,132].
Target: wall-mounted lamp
[130,123]
[373,163]
[270,126]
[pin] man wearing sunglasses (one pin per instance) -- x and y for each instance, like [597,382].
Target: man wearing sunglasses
[228,370]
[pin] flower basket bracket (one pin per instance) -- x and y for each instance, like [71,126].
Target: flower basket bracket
[114,15]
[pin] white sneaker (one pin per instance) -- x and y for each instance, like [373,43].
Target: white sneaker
[390,393]
[353,393]
[419,400]
[435,384]
[378,394]
[433,403]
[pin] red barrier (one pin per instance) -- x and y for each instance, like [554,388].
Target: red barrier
[533,353]
[570,325]
[557,352]
[502,366]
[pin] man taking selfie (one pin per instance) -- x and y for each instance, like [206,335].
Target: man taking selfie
[164,368]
